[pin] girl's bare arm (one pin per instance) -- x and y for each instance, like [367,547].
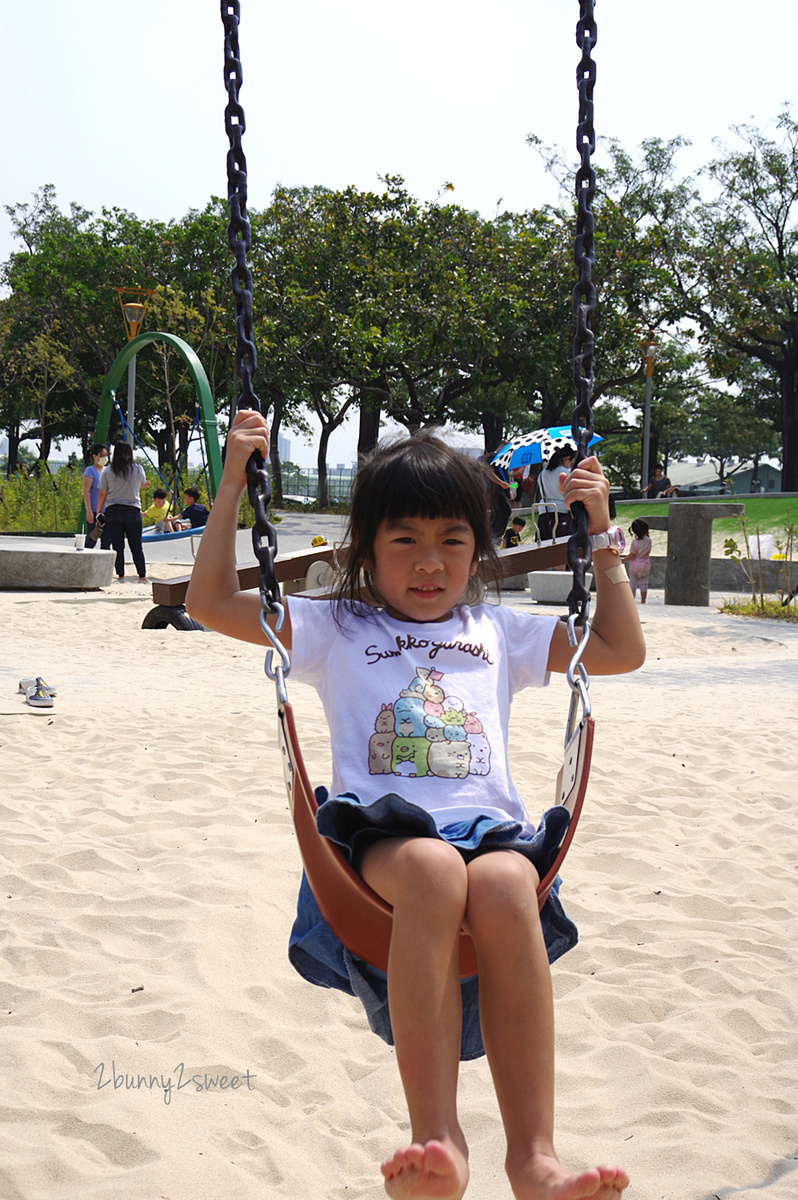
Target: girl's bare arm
[214,597]
[616,641]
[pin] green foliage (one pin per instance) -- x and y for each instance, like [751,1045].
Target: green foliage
[43,503]
[768,609]
[431,314]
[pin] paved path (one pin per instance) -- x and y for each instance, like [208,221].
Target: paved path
[294,532]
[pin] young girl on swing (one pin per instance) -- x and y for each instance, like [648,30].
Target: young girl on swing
[416,686]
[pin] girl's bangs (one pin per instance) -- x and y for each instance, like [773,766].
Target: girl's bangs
[425,491]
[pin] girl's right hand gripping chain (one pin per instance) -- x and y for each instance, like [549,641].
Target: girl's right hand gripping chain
[248,432]
[214,596]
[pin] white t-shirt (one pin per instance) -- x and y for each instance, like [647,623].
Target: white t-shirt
[422,709]
[549,484]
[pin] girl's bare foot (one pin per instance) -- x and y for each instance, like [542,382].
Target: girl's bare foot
[437,1170]
[543,1177]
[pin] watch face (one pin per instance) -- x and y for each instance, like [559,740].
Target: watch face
[617,538]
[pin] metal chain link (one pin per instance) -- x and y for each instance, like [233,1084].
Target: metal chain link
[584,303]
[239,238]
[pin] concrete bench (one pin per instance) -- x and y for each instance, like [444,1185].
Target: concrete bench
[689,526]
[51,569]
[553,587]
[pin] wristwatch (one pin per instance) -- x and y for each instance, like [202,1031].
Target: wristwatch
[613,540]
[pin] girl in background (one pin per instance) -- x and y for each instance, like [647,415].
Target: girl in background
[639,558]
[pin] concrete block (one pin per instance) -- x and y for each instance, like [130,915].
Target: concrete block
[515,583]
[54,570]
[553,587]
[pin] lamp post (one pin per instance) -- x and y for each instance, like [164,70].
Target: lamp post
[134,303]
[649,348]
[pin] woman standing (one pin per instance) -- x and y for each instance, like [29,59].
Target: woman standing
[91,489]
[549,483]
[120,501]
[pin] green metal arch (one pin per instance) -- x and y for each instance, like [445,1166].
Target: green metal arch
[210,430]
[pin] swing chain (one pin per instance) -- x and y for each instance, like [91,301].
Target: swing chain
[239,239]
[239,234]
[579,555]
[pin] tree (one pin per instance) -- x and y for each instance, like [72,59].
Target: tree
[740,274]
[726,432]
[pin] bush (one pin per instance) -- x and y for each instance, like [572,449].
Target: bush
[42,504]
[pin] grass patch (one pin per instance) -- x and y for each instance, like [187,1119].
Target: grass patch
[769,609]
[769,514]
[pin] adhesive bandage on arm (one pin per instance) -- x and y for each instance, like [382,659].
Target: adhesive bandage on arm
[617,574]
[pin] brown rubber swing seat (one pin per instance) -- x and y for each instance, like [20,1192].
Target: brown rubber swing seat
[358,917]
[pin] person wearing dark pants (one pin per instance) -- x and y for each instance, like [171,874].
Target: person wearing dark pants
[119,501]
[124,521]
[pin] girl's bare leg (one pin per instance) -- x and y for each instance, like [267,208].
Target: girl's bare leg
[426,882]
[517,1018]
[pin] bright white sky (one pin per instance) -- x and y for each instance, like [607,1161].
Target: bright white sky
[121,103]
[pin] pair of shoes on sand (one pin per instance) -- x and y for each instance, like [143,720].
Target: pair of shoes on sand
[37,693]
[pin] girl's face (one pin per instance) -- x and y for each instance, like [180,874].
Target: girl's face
[421,566]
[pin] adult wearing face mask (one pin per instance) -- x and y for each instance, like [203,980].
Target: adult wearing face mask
[91,489]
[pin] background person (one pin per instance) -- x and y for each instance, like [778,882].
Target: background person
[639,558]
[120,503]
[658,484]
[513,535]
[194,514]
[557,468]
[91,488]
[498,495]
[159,513]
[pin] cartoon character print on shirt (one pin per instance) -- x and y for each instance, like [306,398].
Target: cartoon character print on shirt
[381,742]
[427,732]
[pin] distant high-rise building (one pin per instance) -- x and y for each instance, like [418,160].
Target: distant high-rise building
[284,448]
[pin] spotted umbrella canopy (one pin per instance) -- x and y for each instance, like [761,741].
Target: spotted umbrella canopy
[529,449]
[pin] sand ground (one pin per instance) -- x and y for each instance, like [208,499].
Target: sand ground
[149,872]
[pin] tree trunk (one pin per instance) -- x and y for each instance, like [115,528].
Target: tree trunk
[14,440]
[789,425]
[321,464]
[274,453]
[493,431]
[369,429]
[45,445]
[162,440]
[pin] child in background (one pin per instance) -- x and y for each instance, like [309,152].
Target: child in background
[406,647]
[159,513]
[639,558]
[194,514]
[512,536]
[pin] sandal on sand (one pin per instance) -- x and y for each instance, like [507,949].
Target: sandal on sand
[38,697]
[26,684]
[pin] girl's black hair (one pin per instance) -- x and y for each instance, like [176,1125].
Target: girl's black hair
[639,528]
[122,462]
[97,448]
[417,477]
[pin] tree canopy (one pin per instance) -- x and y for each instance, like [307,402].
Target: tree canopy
[378,303]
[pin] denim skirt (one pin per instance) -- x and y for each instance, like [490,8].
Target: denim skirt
[319,957]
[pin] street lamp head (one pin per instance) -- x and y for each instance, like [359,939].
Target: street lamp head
[134,303]
[134,315]
[649,349]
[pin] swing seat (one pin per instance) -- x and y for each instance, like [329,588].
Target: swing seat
[358,917]
[173,536]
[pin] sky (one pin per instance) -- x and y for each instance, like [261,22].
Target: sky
[122,104]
